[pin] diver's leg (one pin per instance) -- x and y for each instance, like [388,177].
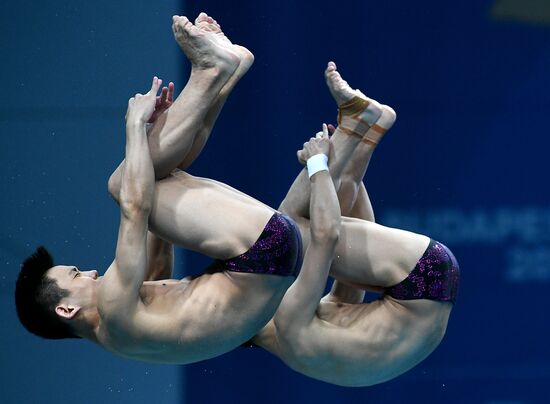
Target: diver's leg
[215,69]
[371,255]
[246,58]
[359,119]
[354,202]
[212,65]
[367,254]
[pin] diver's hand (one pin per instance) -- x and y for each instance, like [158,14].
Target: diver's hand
[163,102]
[320,144]
[142,106]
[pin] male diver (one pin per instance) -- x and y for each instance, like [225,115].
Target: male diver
[172,321]
[339,338]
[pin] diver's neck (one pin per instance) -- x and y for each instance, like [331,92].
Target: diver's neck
[88,325]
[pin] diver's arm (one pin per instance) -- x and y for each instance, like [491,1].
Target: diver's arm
[302,298]
[119,293]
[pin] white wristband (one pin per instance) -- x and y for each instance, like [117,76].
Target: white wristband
[317,163]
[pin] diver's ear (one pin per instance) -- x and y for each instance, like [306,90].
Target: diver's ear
[67,311]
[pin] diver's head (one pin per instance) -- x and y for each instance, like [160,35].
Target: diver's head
[55,301]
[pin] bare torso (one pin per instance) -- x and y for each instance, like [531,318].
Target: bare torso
[361,344]
[194,319]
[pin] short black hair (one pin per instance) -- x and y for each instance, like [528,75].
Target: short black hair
[36,297]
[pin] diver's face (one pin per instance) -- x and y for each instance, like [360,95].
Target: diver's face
[82,285]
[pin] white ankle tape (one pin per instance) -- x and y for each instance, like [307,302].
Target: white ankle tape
[317,163]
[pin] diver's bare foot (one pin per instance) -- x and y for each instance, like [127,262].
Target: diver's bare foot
[208,24]
[358,114]
[338,87]
[201,50]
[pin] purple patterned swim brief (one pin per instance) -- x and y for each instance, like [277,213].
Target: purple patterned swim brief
[435,277]
[278,250]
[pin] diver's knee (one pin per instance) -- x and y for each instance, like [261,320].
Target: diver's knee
[113,185]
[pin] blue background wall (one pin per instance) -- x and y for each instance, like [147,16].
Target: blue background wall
[465,163]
